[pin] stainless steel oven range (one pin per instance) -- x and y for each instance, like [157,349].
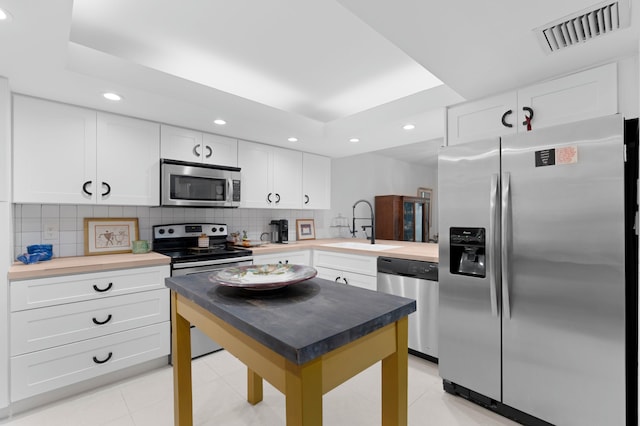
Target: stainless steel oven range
[181,242]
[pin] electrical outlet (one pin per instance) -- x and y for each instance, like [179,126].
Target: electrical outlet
[51,231]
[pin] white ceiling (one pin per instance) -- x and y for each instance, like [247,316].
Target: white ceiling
[323,71]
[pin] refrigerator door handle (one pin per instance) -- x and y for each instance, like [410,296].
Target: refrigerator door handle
[506,233]
[493,230]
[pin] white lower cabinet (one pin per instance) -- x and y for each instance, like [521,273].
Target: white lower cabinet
[348,278]
[42,371]
[301,257]
[67,329]
[38,329]
[41,292]
[350,269]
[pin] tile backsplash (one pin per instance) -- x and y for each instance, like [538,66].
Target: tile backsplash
[63,225]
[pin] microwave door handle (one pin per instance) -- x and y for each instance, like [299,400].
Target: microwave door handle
[229,194]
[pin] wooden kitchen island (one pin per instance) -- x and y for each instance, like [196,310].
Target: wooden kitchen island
[305,340]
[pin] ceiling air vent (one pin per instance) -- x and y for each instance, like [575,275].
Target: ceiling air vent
[585,25]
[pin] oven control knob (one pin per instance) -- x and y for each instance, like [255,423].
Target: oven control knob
[171,230]
[221,229]
[161,231]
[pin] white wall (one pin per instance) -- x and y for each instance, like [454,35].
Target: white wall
[5,239]
[367,175]
[628,87]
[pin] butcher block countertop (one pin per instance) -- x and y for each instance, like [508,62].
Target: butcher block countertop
[405,250]
[84,264]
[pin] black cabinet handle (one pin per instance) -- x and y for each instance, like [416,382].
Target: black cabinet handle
[97,361]
[345,281]
[527,122]
[108,189]
[306,199]
[102,290]
[209,151]
[278,198]
[269,198]
[504,118]
[84,188]
[195,151]
[96,322]
[337,278]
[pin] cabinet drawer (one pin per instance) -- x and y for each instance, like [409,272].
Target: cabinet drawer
[348,278]
[346,262]
[44,371]
[293,257]
[49,291]
[37,329]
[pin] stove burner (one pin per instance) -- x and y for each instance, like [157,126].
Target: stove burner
[180,242]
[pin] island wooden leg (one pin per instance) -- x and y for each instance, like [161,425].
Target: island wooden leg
[181,357]
[303,394]
[254,387]
[395,379]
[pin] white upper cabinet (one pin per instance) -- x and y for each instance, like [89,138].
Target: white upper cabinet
[128,160]
[54,153]
[316,182]
[587,94]
[70,155]
[482,119]
[197,147]
[271,176]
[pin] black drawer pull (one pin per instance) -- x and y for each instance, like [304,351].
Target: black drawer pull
[97,361]
[96,322]
[102,290]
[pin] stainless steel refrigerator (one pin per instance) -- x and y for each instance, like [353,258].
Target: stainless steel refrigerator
[534,316]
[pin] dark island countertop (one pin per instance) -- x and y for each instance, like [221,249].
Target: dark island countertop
[300,322]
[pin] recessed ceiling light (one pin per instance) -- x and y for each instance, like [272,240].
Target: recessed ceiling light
[354,140]
[220,122]
[409,126]
[4,15]
[293,139]
[112,96]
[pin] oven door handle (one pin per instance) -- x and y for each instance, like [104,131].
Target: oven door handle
[212,262]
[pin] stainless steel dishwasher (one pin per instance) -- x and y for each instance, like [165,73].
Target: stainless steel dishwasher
[416,280]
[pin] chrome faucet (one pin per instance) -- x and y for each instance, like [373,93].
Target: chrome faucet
[373,224]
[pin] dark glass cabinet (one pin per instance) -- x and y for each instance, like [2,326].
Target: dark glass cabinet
[402,218]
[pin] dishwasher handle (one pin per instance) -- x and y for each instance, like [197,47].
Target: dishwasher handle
[417,269]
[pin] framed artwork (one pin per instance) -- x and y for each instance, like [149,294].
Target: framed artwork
[305,229]
[109,235]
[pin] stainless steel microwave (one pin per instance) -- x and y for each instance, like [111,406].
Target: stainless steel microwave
[198,185]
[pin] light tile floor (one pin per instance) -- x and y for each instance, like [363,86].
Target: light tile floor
[219,391]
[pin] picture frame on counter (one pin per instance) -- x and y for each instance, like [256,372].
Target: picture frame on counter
[109,235]
[305,229]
